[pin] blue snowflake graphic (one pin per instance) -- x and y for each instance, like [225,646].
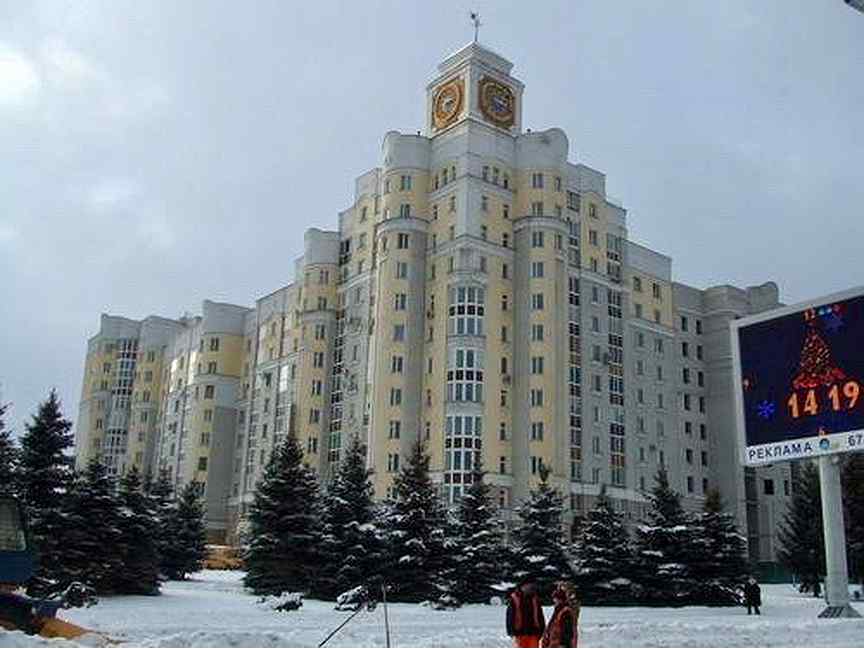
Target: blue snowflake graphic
[833,323]
[766,409]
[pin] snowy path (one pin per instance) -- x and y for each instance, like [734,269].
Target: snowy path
[212,611]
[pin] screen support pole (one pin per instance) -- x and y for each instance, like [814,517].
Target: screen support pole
[836,569]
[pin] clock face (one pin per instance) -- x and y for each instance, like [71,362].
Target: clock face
[447,104]
[497,102]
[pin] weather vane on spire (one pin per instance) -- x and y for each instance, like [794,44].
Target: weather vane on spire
[475,18]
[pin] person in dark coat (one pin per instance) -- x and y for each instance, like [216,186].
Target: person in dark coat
[752,596]
[562,631]
[525,621]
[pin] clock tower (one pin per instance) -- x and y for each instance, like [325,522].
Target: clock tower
[474,84]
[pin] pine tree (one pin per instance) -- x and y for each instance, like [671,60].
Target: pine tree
[285,526]
[186,549]
[479,544]
[802,546]
[9,458]
[45,475]
[720,568]
[351,551]
[539,551]
[853,502]
[91,536]
[664,549]
[160,496]
[417,523]
[604,557]
[139,527]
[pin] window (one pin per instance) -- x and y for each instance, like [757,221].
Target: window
[592,236]
[398,332]
[397,364]
[558,183]
[316,387]
[387,186]
[687,406]
[505,270]
[505,211]
[400,301]
[483,264]
[537,180]
[537,269]
[395,429]
[202,463]
[688,428]
[211,367]
[660,372]
[685,349]
[502,431]
[209,392]
[320,331]
[465,376]
[484,203]
[658,346]
[573,200]
[688,455]
[698,351]
[537,333]
[640,368]
[595,295]
[537,208]
[655,289]
[452,205]
[698,327]
[392,463]
[689,484]
[685,375]
[504,337]
[484,232]
[637,284]
[214,344]
[395,396]
[537,301]
[537,431]
[768,485]
[486,173]
[660,401]
[700,379]
[703,431]
[401,270]
[702,404]
[467,309]
[640,396]
[537,365]
[595,324]
[405,183]
[637,309]
[318,359]
[537,239]
[536,398]
[597,383]
[640,339]
[703,456]
[502,465]
[402,241]
[684,323]
[504,365]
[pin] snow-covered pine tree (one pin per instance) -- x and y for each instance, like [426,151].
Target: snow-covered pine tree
[720,565]
[481,557]
[186,549]
[604,557]
[10,456]
[802,546]
[664,551]
[160,496]
[285,525]
[417,521]
[44,477]
[351,551]
[853,501]
[538,548]
[139,528]
[91,537]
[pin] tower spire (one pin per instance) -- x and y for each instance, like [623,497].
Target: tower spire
[475,18]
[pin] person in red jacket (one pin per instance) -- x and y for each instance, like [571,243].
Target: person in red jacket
[525,621]
[563,628]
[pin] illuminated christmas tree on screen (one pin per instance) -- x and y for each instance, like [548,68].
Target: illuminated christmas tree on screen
[816,367]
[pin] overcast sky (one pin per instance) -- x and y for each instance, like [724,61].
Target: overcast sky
[154,154]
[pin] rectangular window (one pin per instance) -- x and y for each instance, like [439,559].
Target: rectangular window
[398,332]
[209,392]
[637,284]
[683,323]
[405,183]
[537,208]
[400,301]
[537,301]
[698,327]
[537,269]
[592,236]
[214,344]
[396,364]
[536,398]
[403,241]
[537,333]
[395,429]
[537,365]
[395,396]
[202,463]
[769,486]
[537,431]
[484,203]
[537,180]
[537,239]
[401,270]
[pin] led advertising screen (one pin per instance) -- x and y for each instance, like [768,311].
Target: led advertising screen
[799,380]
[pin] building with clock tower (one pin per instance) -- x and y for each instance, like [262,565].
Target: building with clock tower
[481,295]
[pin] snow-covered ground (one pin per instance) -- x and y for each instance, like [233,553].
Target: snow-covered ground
[213,611]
